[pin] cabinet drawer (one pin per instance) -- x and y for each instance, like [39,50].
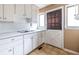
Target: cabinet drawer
[29,36]
[10,40]
[18,38]
[6,41]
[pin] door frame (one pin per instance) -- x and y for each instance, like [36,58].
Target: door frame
[63,20]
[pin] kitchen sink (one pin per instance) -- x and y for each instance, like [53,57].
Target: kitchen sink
[24,31]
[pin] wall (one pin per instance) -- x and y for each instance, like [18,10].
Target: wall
[71,36]
[11,27]
[72,39]
[49,7]
[19,23]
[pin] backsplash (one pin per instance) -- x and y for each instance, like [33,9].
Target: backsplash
[15,26]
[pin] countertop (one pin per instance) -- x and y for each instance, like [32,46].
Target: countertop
[13,34]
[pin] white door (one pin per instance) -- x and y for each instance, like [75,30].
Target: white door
[8,12]
[1,12]
[54,37]
[35,40]
[27,43]
[19,9]
[28,10]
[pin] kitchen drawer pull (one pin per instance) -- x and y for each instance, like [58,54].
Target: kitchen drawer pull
[10,50]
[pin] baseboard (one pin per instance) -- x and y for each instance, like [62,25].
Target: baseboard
[70,51]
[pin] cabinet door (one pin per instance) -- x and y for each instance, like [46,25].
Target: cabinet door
[35,41]
[40,39]
[27,43]
[19,9]
[18,48]
[18,45]
[8,12]
[34,13]
[28,10]
[6,49]
[1,12]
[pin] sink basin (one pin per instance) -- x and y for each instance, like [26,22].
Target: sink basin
[22,31]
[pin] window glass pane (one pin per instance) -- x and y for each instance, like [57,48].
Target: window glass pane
[41,20]
[71,16]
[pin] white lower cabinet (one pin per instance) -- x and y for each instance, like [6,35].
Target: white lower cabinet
[18,46]
[35,40]
[13,47]
[40,38]
[18,49]
[31,41]
[27,43]
[6,50]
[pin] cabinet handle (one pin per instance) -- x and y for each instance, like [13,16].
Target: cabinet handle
[10,50]
[5,18]
[0,17]
[12,39]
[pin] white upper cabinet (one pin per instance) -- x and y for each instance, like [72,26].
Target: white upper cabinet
[1,12]
[19,8]
[8,12]
[34,13]
[28,10]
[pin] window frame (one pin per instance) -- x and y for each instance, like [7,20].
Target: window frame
[63,16]
[54,13]
[66,18]
[39,19]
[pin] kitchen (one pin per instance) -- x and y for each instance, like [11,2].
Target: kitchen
[25,28]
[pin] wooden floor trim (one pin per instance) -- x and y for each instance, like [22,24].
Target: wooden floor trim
[70,51]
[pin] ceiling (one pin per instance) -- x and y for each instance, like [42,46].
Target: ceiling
[41,5]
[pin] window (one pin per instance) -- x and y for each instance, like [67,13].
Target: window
[54,20]
[71,12]
[41,20]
